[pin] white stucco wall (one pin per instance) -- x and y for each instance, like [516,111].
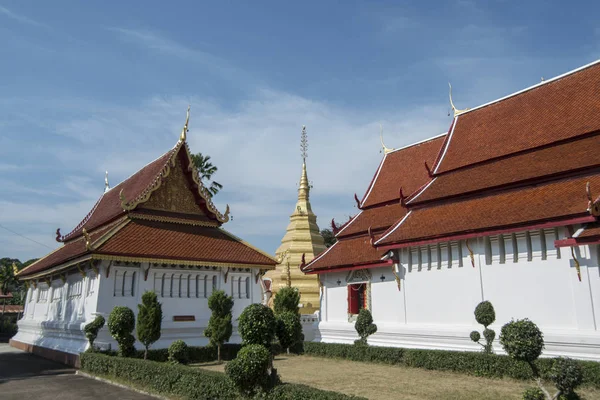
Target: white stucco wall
[434,307]
[59,324]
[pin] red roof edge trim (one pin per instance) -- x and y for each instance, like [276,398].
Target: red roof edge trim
[387,263]
[445,145]
[373,180]
[464,236]
[347,224]
[392,228]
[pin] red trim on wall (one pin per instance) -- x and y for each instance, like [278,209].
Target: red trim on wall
[387,263]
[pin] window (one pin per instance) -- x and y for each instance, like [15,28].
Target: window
[124,283]
[214,283]
[205,286]
[199,285]
[235,287]
[357,299]
[91,283]
[56,293]
[42,295]
[247,288]
[184,285]
[74,289]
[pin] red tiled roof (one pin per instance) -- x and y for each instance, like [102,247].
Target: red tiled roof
[561,199]
[556,159]
[109,207]
[347,252]
[5,296]
[403,167]
[591,231]
[162,240]
[68,251]
[381,217]
[561,109]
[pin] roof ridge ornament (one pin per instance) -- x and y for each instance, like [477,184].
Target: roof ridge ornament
[304,144]
[185,129]
[106,185]
[456,110]
[383,147]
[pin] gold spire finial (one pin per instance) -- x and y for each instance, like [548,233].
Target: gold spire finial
[456,110]
[184,131]
[304,143]
[106,185]
[385,149]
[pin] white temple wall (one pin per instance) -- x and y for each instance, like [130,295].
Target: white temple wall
[523,275]
[54,316]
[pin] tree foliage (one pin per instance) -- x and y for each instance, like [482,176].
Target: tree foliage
[485,315]
[289,329]
[219,326]
[121,323]
[149,320]
[206,170]
[328,237]
[91,330]
[364,326]
[257,325]
[249,371]
[179,352]
[286,300]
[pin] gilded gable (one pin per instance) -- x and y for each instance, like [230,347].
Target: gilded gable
[174,194]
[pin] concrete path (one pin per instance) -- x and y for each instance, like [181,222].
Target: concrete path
[25,376]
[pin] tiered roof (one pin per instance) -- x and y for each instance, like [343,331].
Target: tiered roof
[380,207]
[521,162]
[161,214]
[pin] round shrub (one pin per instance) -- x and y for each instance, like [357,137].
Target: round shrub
[91,330]
[475,336]
[364,325]
[257,325]
[533,393]
[522,340]
[250,370]
[289,329]
[566,374]
[489,335]
[485,314]
[178,352]
[121,322]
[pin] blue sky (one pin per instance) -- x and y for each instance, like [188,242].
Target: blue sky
[87,87]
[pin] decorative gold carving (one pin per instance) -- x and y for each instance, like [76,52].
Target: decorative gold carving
[174,194]
[175,220]
[384,148]
[470,253]
[577,266]
[593,205]
[396,276]
[88,240]
[63,278]
[94,265]
[185,130]
[358,275]
[81,270]
[456,110]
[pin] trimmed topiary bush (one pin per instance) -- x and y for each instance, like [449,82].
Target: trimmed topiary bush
[149,320]
[566,375]
[121,322]
[91,330]
[249,372]
[257,325]
[289,329]
[533,393]
[364,326]
[286,300]
[219,326]
[485,315]
[522,340]
[179,352]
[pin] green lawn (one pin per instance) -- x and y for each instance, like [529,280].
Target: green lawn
[378,381]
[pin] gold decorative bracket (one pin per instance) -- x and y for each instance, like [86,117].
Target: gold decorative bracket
[456,110]
[470,253]
[94,265]
[88,242]
[81,271]
[577,265]
[63,278]
[397,277]
[259,275]
[383,146]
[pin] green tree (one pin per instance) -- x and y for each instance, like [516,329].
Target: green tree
[286,299]
[219,325]
[91,330]
[328,237]
[257,325]
[206,170]
[485,315]
[289,329]
[121,323]
[8,282]
[364,326]
[149,320]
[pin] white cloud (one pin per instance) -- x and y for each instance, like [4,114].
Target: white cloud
[21,18]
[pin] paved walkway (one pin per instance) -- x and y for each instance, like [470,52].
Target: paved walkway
[25,376]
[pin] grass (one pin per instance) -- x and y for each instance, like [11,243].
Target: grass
[377,381]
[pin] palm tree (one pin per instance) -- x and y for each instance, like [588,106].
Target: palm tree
[206,170]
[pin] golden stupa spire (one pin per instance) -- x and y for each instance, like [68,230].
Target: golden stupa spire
[184,131]
[303,188]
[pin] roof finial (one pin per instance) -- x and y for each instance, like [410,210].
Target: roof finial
[456,110]
[303,144]
[385,149]
[106,185]
[184,131]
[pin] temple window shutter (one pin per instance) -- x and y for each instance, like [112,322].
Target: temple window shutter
[353,306]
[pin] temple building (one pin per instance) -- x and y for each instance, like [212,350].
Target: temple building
[503,208]
[157,230]
[302,239]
